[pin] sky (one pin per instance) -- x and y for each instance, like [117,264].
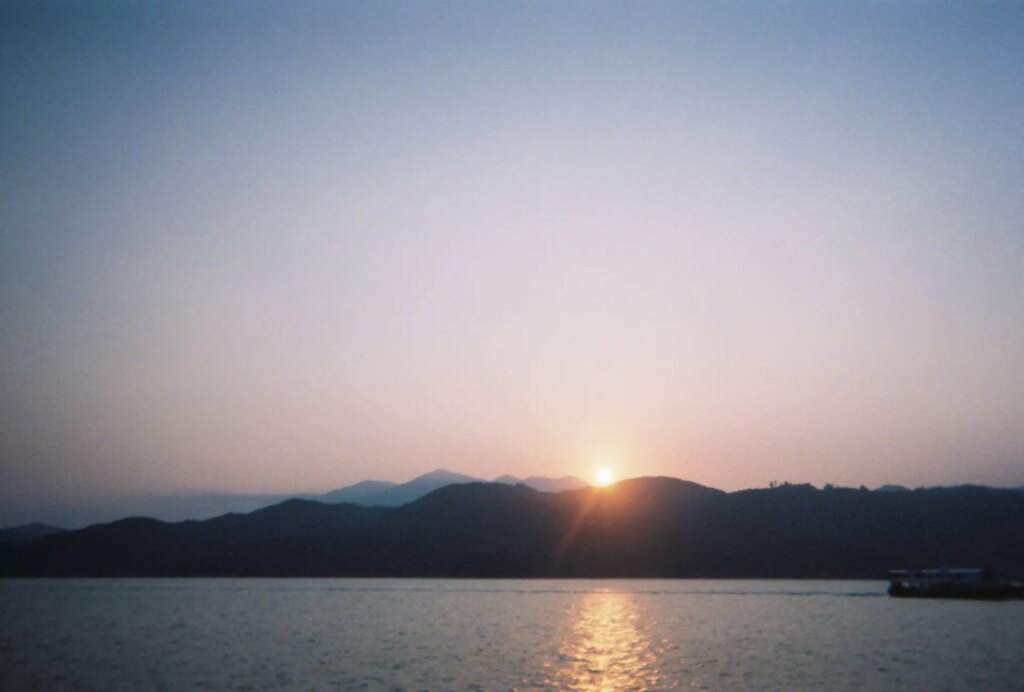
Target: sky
[284,247]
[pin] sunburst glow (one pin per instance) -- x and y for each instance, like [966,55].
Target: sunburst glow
[603,476]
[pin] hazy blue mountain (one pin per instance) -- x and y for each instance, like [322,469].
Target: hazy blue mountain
[27,532]
[554,485]
[385,494]
[645,527]
[892,488]
[362,493]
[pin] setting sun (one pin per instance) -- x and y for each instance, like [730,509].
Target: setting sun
[603,476]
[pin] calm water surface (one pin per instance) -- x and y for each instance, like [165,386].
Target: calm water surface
[466,634]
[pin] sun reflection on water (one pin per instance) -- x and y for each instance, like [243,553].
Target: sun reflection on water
[608,648]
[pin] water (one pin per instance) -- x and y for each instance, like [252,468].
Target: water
[468,634]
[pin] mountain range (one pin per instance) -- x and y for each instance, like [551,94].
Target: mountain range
[385,494]
[645,527]
[205,505]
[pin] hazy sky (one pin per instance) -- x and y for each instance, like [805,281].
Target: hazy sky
[289,246]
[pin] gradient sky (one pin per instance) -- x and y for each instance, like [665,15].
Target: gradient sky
[285,247]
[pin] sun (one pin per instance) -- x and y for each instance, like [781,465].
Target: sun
[603,476]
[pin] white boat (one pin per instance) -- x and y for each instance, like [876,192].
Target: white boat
[948,582]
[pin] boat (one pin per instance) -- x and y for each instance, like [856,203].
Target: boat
[947,582]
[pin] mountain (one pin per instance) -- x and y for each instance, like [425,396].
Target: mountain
[554,485]
[206,505]
[363,493]
[27,532]
[645,527]
[544,484]
[170,507]
[386,494]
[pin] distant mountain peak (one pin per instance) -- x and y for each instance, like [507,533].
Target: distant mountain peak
[445,474]
[386,494]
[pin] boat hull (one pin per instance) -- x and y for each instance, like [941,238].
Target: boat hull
[995,593]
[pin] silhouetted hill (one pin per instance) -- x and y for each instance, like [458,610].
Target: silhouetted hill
[645,527]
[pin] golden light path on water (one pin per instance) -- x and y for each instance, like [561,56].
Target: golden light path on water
[608,647]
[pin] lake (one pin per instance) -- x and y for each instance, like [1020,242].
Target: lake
[415,634]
